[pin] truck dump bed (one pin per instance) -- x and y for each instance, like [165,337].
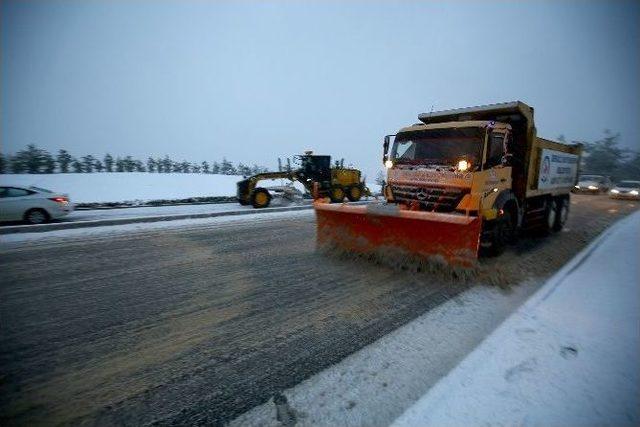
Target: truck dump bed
[554,169]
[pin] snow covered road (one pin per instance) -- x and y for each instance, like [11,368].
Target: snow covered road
[198,321]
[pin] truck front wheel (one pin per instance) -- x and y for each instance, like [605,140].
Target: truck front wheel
[501,235]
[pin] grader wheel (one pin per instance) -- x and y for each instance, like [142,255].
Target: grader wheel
[260,198]
[337,195]
[354,194]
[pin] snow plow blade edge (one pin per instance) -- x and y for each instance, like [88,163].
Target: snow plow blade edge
[375,228]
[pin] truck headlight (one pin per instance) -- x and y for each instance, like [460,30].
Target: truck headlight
[633,192]
[463,165]
[388,164]
[592,187]
[614,191]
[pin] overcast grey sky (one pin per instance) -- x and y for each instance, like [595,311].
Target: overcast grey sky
[199,80]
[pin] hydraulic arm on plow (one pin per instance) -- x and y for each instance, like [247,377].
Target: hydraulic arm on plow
[460,182]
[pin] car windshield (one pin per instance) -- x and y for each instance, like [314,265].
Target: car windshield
[629,184]
[593,178]
[439,147]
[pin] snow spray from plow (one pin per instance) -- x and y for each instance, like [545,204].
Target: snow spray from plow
[438,237]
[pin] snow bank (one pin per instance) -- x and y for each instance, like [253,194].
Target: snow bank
[569,356]
[128,186]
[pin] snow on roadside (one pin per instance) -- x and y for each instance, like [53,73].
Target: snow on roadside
[569,356]
[128,186]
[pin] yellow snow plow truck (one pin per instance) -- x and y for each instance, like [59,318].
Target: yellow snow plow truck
[460,183]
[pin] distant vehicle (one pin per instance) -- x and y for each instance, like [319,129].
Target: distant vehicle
[592,184]
[33,205]
[626,190]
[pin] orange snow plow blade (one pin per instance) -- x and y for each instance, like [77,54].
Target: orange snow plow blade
[367,229]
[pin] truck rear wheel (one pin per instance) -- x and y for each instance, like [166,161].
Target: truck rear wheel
[336,195]
[550,218]
[260,198]
[354,194]
[562,213]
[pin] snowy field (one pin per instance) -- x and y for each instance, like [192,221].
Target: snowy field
[129,186]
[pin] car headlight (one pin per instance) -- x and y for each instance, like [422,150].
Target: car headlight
[388,164]
[592,187]
[614,191]
[577,186]
[633,192]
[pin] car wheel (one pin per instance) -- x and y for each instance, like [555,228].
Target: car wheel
[36,216]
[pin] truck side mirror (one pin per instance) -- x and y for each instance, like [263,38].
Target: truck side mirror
[385,146]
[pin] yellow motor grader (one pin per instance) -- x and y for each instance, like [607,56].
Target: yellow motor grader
[315,174]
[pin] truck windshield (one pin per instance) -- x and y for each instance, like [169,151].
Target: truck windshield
[439,147]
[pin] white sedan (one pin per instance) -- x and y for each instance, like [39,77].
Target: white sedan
[626,190]
[34,205]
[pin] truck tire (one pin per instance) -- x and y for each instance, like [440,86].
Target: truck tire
[562,213]
[260,198]
[354,194]
[336,194]
[550,217]
[503,234]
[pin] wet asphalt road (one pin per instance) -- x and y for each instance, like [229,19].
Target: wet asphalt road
[197,325]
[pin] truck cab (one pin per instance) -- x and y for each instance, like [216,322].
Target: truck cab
[449,167]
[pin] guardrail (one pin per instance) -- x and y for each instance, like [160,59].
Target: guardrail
[11,229]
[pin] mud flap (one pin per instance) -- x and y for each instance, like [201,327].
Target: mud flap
[367,229]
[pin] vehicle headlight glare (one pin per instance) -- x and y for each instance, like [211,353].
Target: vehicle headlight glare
[577,186]
[388,164]
[633,192]
[463,165]
[592,187]
[614,191]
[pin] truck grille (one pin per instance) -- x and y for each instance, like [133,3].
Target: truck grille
[430,198]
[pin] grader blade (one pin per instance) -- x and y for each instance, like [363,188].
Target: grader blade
[386,229]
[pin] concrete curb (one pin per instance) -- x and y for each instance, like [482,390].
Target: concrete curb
[120,221]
